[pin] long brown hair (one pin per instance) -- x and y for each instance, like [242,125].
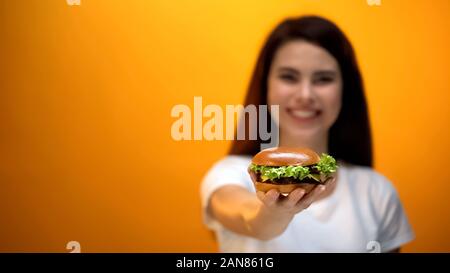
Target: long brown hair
[349,137]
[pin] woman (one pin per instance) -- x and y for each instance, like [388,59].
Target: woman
[309,69]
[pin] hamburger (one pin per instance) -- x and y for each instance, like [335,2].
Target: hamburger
[286,169]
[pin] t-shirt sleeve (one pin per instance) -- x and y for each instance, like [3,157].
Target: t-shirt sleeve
[231,170]
[394,228]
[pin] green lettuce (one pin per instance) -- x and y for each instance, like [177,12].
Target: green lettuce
[325,166]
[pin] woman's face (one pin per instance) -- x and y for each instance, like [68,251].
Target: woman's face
[305,80]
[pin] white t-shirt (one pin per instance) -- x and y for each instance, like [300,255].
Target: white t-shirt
[363,214]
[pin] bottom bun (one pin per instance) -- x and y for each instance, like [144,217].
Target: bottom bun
[284,188]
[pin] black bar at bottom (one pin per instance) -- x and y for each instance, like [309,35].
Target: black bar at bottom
[218,262]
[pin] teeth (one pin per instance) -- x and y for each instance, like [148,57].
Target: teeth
[303,114]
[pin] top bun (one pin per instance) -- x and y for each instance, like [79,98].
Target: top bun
[286,156]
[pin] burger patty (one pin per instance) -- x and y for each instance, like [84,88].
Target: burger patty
[313,170]
[286,180]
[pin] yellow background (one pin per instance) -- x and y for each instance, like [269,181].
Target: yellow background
[86,93]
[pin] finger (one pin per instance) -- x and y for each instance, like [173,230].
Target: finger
[307,200]
[260,195]
[330,181]
[252,175]
[293,197]
[271,197]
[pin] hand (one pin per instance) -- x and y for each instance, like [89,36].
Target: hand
[295,202]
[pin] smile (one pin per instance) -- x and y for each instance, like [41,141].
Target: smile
[304,115]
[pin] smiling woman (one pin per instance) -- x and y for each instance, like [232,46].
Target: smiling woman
[309,69]
[86,94]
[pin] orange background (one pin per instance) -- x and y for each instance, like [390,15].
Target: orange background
[86,93]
